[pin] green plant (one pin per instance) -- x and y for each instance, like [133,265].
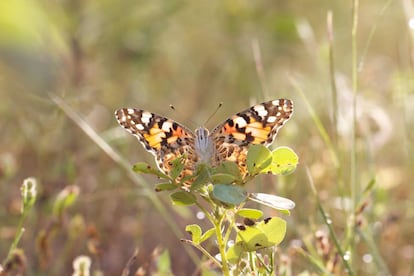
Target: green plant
[220,194]
[16,259]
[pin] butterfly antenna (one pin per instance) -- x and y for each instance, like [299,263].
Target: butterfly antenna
[181,113]
[211,116]
[214,113]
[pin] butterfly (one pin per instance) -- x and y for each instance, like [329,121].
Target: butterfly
[168,140]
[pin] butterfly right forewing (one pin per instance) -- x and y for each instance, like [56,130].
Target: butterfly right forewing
[257,125]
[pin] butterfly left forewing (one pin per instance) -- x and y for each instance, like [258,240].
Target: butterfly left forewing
[164,138]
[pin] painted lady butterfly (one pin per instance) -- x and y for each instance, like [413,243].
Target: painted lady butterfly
[229,141]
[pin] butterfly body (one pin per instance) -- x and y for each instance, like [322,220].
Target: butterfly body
[204,146]
[167,140]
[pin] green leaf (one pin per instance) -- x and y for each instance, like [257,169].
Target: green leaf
[250,213]
[207,234]
[223,178]
[164,263]
[284,161]
[165,187]
[202,178]
[65,199]
[229,167]
[274,229]
[142,167]
[258,159]
[230,194]
[185,178]
[177,166]
[234,252]
[272,201]
[286,212]
[251,238]
[370,186]
[266,233]
[195,232]
[182,198]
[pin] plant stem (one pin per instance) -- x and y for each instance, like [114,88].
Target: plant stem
[206,213]
[229,230]
[221,242]
[221,245]
[18,236]
[205,252]
[379,262]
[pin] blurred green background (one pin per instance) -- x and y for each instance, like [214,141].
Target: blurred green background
[98,56]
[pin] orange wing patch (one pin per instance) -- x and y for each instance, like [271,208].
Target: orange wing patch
[259,132]
[154,137]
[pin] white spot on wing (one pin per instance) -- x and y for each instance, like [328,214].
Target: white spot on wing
[260,109]
[140,127]
[276,102]
[166,126]
[271,119]
[146,116]
[240,121]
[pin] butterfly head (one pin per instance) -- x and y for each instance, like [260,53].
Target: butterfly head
[202,132]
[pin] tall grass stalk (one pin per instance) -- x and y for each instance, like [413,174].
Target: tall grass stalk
[318,123]
[355,187]
[328,223]
[330,32]
[257,55]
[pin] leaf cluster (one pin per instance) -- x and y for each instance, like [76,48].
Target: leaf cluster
[219,192]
